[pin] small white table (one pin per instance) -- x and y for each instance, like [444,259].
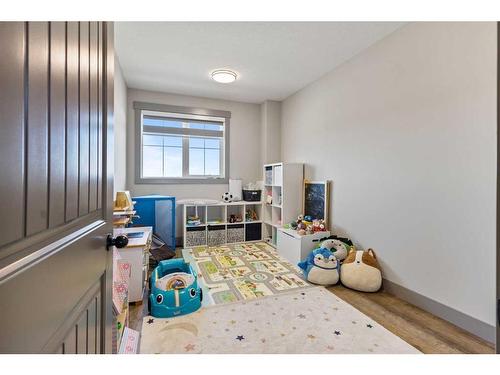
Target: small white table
[294,247]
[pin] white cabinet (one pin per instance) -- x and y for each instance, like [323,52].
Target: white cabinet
[136,253]
[294,247]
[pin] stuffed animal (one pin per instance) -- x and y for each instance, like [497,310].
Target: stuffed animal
[319,225]
[361,271]
[321,267]
[337,247]
[309,229]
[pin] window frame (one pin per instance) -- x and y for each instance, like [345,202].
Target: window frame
[180,112]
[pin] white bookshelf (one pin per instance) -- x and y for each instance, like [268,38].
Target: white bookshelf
[283,182]
[216,229]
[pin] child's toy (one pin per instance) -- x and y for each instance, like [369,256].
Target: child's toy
[269,199]
[174,289]
[321,267]
[193,220]
[227,197]
[251,215]
[337,247]
[309,229]
[235,218]
[361,271]
[319,225]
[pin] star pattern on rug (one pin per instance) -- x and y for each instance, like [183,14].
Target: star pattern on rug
[338,333]
[301,316]
[312,337]
[240,337]
[232,321]
[326,319]
[151,321]
[369,326]
[189,347]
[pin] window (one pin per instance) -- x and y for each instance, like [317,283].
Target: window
[181,145]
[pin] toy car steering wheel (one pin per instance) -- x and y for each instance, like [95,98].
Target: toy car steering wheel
[176,283]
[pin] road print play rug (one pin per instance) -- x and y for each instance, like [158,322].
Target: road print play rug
[311,320]
[243,271]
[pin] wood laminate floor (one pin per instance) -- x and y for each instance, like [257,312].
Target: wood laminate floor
[426,332]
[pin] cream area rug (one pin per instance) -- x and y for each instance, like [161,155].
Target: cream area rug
[311,320]
[243,271]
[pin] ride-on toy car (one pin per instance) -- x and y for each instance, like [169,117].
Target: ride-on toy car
[174,289]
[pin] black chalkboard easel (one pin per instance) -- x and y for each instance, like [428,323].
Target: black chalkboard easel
[316,199]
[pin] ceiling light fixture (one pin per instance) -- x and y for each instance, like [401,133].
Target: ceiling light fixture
[224,76]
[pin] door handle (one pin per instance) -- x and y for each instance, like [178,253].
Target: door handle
[118,241]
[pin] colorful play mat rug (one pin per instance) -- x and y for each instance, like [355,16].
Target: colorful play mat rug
[311,320]
[243,271]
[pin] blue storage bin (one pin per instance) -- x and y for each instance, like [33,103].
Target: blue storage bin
[157,211]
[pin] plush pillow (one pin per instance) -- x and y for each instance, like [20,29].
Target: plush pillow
[337,247]
[361,271]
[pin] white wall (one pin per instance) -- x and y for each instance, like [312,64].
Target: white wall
[270,131]
[120,109]
[406,131]
[245,147]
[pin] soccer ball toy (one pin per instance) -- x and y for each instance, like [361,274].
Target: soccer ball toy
[227,197]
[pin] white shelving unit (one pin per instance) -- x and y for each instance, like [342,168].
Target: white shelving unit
[282,197]
[215,227]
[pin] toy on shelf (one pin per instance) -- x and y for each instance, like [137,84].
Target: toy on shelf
[309,229]
[321,267]
[306,225]
[193,221]
[227,197]
[251,215]
[269,199]
[319,225]
[361,271]
[174,289]
[235,219]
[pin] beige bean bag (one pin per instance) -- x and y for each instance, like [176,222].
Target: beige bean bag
[361,271]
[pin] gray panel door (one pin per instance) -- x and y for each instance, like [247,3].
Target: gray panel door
[56,112]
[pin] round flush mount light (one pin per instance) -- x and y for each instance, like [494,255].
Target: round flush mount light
[224,76]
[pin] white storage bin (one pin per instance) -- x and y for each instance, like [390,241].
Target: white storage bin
[294,247]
